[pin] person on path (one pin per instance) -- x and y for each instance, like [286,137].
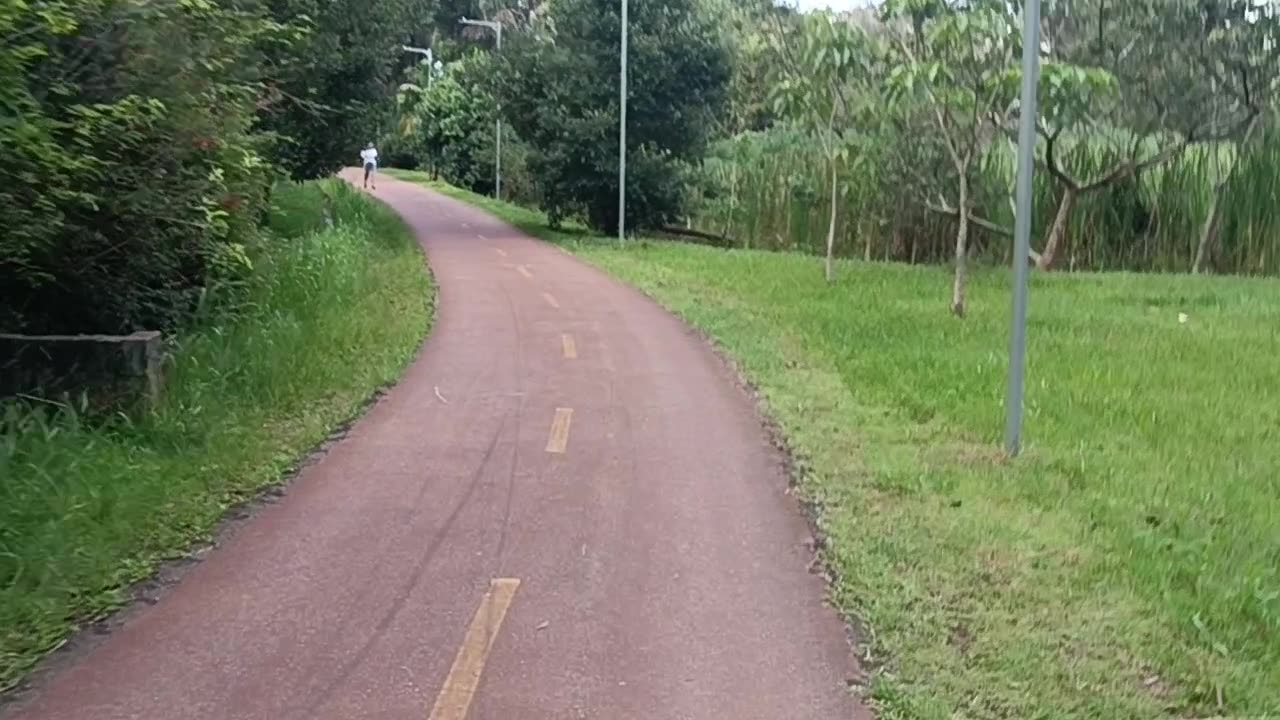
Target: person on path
[369,158]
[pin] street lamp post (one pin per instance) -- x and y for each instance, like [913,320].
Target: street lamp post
[427,56]
[497,153]
[622,133]
[1022,223]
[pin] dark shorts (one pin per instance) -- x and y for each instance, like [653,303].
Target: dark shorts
[368,168]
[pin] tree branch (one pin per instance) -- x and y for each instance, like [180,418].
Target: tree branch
[936,106]
[1051,161]
[983,223]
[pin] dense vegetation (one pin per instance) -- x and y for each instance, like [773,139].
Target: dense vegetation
[142,139]
[334,307]
[1156,150]
[1126,566]
[886,133]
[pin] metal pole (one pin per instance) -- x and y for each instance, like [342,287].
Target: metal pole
[428,59]
[1022,224]
[622,134]
[497,154]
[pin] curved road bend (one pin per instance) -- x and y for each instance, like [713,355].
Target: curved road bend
[566,509]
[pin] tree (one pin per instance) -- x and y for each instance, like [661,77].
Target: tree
[325,89]
[747,30]
[1118,97]
[1238,47]
[558,88]
[451,123]
[1069,100]
[818,89]
[953,59]
[132,174]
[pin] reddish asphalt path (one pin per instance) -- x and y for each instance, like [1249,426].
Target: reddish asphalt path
[662,568]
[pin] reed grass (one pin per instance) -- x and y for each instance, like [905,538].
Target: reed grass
[766,190]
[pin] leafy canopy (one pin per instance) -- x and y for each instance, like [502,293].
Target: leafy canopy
[558,87]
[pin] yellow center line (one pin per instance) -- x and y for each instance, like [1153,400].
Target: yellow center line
[570,347]
[551,300]
[524,271]
[460,684]
[500,251]
[559,438]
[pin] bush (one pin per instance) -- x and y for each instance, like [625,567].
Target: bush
[125,183]
[447,129]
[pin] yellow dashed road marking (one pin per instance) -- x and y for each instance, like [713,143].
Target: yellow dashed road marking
[551,300]
[460,684]
[500,251]
[524,271]
[570,348]
[559,439]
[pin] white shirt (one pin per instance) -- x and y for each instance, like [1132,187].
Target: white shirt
[369,155]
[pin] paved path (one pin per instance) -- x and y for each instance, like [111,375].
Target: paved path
[567,509]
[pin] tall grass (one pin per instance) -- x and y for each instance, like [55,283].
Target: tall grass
[766,190]
[336,304]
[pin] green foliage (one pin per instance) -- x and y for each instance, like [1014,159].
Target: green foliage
[141,138]
[559,91]
[818,82]
[746,33]
[447,124]
[764,190]
[131,166]
[326,317]
[328,86]
[1158,114]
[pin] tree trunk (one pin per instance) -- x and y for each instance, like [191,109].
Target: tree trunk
[831,225]
[962,248]
[866,251]
[1058,230]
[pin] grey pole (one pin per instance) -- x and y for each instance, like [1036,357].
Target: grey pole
[622,134]
[497,152]
[428,59]
[1022,224]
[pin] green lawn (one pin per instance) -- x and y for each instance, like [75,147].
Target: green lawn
[1127,566]
[328,316]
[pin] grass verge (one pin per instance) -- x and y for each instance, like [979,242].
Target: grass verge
[328,315]
[1127,566]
